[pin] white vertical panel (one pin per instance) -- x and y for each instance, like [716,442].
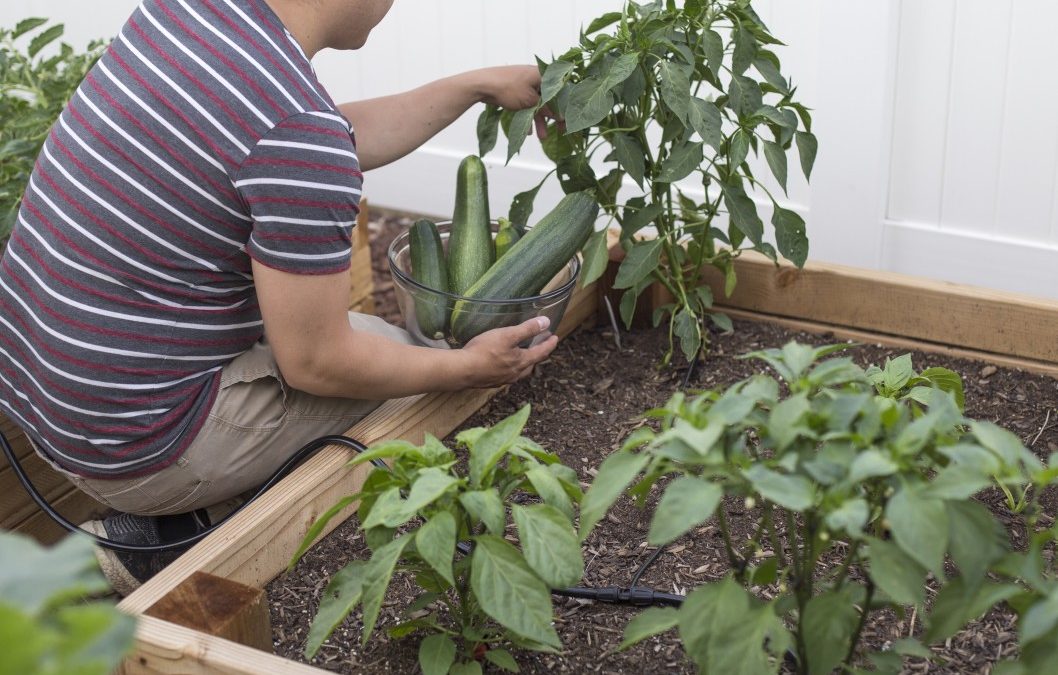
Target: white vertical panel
[920,113]
[975,115]
[852,106]
[1030,133]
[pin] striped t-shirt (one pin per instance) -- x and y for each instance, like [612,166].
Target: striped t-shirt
[200,140]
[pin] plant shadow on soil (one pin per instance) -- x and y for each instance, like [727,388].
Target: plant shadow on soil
[585,400]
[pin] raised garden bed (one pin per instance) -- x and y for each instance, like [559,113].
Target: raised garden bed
[586,399]
[254,547]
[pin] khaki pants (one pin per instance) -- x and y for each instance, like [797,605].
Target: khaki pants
[256,424]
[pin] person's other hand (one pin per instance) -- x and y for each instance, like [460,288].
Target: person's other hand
[515,88]
[494,357]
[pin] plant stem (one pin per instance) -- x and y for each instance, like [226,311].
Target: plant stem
[780,554]
[732,557]
[859,627]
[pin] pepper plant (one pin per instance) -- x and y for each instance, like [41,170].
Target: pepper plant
[483,596]
[51,622]
[862,470]
[674,96]
[34,89]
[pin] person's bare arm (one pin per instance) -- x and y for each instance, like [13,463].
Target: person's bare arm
[389,127]
[306,324]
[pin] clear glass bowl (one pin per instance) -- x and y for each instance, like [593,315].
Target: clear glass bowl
[485,314]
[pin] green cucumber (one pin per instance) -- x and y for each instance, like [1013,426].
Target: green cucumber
[428,268]
[529,265]
[506,237]
[470,248]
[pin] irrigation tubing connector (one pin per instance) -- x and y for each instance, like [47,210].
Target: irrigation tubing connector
[639,596]
[308,449]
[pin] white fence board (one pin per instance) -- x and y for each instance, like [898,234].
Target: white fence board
[938,121]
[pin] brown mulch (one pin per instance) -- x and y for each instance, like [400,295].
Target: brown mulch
[585,399]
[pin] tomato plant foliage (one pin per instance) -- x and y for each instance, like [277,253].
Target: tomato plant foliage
[676,98]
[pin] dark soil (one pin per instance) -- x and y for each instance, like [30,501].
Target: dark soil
[585,400]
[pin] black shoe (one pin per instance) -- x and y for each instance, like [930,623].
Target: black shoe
[126,571]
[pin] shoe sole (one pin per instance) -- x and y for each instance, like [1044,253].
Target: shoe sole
[120,579]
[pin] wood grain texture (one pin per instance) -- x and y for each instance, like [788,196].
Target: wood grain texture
[164,648]
[996,323]
[219,607]
[867,337]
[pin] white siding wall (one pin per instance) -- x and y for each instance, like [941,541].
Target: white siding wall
[938,120]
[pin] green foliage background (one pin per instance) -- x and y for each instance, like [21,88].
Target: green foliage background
[34,90]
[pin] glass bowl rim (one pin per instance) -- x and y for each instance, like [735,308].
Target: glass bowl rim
[556,294]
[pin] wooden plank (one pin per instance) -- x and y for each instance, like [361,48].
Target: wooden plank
[959,316]
[75,505]
[16,437]
[897,342]
[218,607]
[166,648]
[15,503]
[910,307]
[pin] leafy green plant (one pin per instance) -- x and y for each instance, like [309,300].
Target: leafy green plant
[859,471]
[34,89]
[413,515]
[47,624]
[675,96]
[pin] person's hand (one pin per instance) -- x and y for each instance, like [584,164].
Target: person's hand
[515,88]
[494,357]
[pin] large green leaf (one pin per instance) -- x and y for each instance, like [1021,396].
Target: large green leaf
[790,491]
[704,117]
[738,149]
[743,212]
[550,489]
[649,622]
[486,506]
[687,503]
[521,125]
[553,79]
[958,602]
[895,572]
[683,160]
[726,630]
[630,155]
[437,653]
[976,538]
[488,129]
[376,575]
[550,544]
[436,543]
[920,527]
[807,147]
[776,157]
[33,578]
[790,235]
[615,473]
[829,621]
[493,444]
[93,638]
[745,50]
[675,88]
[640,261]
[509,591]
[341,596]
[592,99]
